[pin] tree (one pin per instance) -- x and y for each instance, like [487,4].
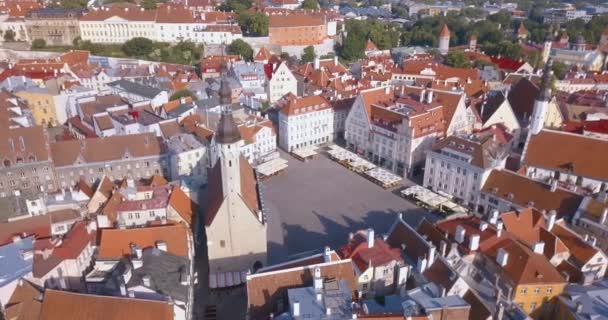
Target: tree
[68,4]
[284,56]
[310,4]
[241,48]
[253,23]
[9,35]
[309,54]
[138,47]
[183,94]
[148,4]
[38,44]
[353,47]
[235,5]
[559,69]
[457,59]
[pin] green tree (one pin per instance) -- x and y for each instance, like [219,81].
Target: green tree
[183,94]
[38,44]
[253,23]
[559,69]
[353,47]
[68,4]
[235,5]
[457,59]
[284,56]
[138,47]
[9,35]
[310,4]
[148,4]
[309,54]
[241,48]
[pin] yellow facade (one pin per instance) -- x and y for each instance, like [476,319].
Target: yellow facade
[554,117]
[531,297]
[42,106]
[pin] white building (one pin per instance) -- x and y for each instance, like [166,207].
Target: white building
[188,159]
[17,25]
[235,223]
[394,131]
[281,82]
[168,23]
[459,165]
[259,139]
[304,122]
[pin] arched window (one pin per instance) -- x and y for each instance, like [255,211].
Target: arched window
[7,163]
[230,163]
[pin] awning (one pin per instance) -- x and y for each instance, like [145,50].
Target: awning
[227,279]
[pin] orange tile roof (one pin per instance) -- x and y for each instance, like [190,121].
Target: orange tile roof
[445,31]
[582,155]
[63,305]
[116,243]
[294,20]
[262,55]
[184,206]
[25,302]
[579,249]
[301,105]
[522,190]
[265,289]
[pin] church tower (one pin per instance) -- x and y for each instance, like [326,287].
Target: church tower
[547,46]
[235,224]
[541,106]
[444,40]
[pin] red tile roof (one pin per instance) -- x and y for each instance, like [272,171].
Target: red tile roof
[116,243]
[363,256]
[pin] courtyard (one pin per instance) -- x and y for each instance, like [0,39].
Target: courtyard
[318,203]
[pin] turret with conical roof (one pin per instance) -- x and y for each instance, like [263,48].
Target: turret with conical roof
[444,40]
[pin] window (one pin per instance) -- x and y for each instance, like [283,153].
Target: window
[222,244]
[549,290]
[536,290]
[533,306]
[523,291]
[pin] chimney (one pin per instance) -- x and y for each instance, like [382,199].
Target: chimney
[319,297]
[579,307]
[604,216]
[147,280]
[553,185]
[443,246]
[431,252]
[586,237]
[443,292]
[483,226]
[335,60]
[422,94]
[327,255]
[474,242]
[592,241]
[317,63]
[422,263]
[460,232]
[123,289]
[539,247]
[295,309]
[551,219]
[429,96]
[494,217]
[328,311]
[370,238]
[161,245]
[502,257]
[318,279]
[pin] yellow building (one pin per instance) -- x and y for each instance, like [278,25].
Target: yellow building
[554,117]
[42,105]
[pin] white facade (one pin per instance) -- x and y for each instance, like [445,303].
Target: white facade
[283,82]
[188,159]
[116,30]
[451,170]
[306,129]
[13,24]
